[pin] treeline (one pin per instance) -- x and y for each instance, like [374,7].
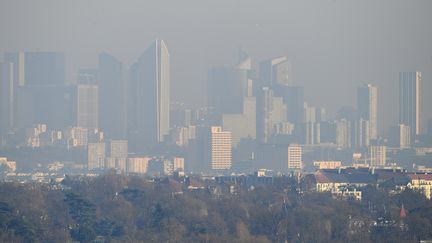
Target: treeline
[118,208]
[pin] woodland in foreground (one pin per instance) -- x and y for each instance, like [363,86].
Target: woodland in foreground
[119,208]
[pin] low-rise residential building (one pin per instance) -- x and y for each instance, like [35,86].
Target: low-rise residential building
[421,183]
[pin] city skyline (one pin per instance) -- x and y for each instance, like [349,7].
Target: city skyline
[320,39]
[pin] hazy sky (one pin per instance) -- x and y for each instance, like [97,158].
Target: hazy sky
[334,45]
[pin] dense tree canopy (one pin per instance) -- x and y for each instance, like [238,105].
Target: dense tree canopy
[118,208]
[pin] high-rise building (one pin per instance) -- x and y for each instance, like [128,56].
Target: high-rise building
[44,68]
[112,101]
[138,164]
[276,71]
[241,125]
[377,156]
[227,86]
[293,98]
[217,149]
[404,136]
[150,95]
[88,104]
[178,163]
[119,148]
[37,68]
[7,100]
[359,133]
[367,107]
[96,155]
[409,100]
[54,105]
[295,157]
[343,133]
[270,111]
[18,61]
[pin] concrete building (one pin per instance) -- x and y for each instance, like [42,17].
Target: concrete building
[217,149]
[7,99]
[241,125]
[404,136]
[377,156]
[295,157]
[367,107]
[112,96]
[138,165]
[271,111]
[119,148]
[274,72]
[409,100]
[95,155]
[88,106]
[179,164]
[149,93]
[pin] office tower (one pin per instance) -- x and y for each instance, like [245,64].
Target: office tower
[367,107]
[7,101]
[96,155]
[119,148]
[241,125]
[150,95]
[343,134]
[179,164]
[138,165]
[320,114]
[88,76]
[409,100]
[278,157]
[54,105]
[217,149]
[37,68]
[271,112]
[44,68]
[40,93]
[88,106]
[227,86]
[112,101]
[377,156]
[18,61]
[276,71]
[293,98]
[360,133]
[12,75]
[311,133]
[404,136]
[294,157]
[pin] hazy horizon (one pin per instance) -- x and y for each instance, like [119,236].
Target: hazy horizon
[334,46]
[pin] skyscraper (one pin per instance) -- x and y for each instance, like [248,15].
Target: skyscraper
[367,107]
[295,157]
[270,111]
[377,156]
[150,95]
[96,155]
[38,68]
[217,149]
[6,98]
[44,68]
[227,86]
[409,100]
[88,104]
[276,71]
[112,103]
[293,97]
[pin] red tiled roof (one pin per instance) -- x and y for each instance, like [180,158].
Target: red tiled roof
[321,178]
[427,177]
